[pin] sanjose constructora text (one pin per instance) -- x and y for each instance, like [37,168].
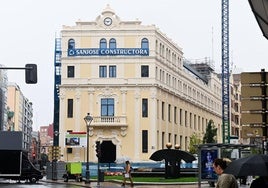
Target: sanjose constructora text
[108,51]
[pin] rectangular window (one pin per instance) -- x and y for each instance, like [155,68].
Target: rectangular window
[70,71]
[103,71]
[144,107]
[70,108]
[194,122]
[157,108]
[144,71]
[181,117]
[190,120]
[185,119]
[203,124]
[144,141]
[163,110]
[199,123]
[163,140]
[175,114]
[181,141]
[169,112]
[112,71]
[69,150]
[107,107]
[186,143]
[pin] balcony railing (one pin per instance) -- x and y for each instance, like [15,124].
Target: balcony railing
[109,121]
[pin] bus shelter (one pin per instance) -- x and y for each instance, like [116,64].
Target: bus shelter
[208,152]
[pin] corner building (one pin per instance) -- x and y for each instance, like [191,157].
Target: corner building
[132,80]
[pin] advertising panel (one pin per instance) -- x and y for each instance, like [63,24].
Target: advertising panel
[207,158]
[75,139]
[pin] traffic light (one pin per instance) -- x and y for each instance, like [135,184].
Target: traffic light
[98,149]
[31,73]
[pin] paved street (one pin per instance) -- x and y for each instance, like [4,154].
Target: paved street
[137,185]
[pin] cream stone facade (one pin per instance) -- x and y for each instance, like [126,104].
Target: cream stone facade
[132,80]
[21,114]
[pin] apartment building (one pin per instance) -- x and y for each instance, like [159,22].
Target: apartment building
[21,113]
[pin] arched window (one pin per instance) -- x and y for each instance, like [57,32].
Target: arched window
[144,43]
[112,43]
[103,43]
[71,44]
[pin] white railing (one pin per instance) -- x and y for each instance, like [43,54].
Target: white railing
[109,121]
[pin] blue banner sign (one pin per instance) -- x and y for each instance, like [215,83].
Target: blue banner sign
[108,52]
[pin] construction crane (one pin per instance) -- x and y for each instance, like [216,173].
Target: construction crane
[57,76]
[260,12]
[225,72]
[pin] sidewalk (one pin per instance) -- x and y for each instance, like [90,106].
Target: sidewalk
[114,184]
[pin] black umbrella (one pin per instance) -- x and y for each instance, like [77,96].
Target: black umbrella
[254,165]
[172,155]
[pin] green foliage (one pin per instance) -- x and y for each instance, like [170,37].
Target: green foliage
[10,114]
[194,140]
[211,133]
[256,150]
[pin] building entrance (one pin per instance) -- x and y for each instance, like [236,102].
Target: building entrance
[108,152]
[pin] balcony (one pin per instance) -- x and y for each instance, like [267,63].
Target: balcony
[109,121]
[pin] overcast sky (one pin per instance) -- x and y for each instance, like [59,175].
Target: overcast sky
[29,27]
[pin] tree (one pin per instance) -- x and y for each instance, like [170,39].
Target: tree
[194,141]
[211,133]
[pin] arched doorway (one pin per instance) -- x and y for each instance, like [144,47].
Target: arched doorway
[108,152]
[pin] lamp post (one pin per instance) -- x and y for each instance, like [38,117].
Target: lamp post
[88,119]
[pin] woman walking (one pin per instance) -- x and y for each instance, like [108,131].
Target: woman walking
[127,174]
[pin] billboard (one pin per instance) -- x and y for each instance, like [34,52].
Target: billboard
[75,139]
[207,158]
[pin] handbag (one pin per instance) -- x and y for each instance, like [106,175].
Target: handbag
[126,175]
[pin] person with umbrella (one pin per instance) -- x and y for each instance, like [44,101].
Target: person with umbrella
[224,180]
[253,165]
[261,181]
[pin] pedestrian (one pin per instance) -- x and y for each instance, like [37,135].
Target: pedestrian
[261,181]
[224,180]
[127,174]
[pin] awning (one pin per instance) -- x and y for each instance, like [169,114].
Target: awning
[260,10]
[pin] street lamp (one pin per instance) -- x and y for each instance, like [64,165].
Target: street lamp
[88,119]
